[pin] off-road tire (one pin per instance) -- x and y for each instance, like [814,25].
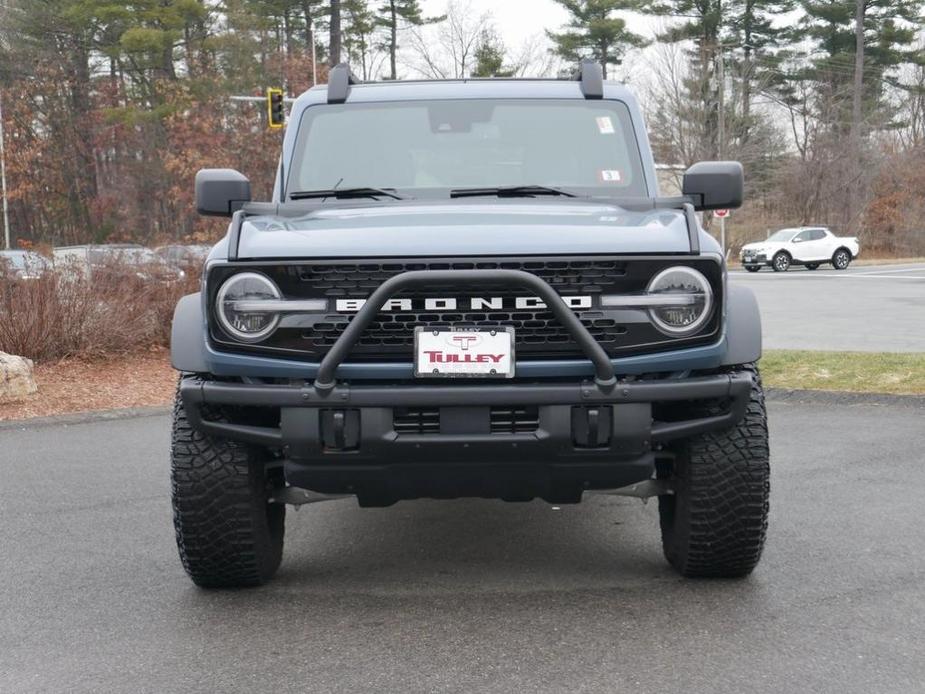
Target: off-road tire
[780,262]
[227,534]
[812,266]
[715,523]
[753,268]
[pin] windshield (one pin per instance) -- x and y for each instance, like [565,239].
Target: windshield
[782,235]
[432,147]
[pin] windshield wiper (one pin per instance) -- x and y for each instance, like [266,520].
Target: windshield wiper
[511,192]
[342,193]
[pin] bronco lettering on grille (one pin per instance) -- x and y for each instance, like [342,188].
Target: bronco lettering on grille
[475,303]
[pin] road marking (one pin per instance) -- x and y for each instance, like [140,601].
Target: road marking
[882,277]
[885,271]
[840,276]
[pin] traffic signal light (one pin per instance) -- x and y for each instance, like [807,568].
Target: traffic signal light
[276,110]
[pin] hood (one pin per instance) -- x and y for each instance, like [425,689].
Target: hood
[755,246]
[465,228]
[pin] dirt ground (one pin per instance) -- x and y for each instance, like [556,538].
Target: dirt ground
[73,385]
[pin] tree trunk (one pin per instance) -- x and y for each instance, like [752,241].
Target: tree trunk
[84,191]
[855,203]
[393,40]
[287,32]
[309,24]
[335,37]
[858,93]
[747,66]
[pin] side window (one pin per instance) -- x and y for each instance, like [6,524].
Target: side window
[818,235]
[802,236]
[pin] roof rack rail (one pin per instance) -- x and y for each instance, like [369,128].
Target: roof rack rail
[591,76]
[340,79]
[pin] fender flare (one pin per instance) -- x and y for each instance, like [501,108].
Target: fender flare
[743,326]
[187,336]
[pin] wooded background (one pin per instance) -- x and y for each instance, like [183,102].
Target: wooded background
[111,107]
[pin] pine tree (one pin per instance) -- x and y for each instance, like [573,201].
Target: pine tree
[861,42]
[756,41]
[393,16]
[490,55]
[594,32]
[359,28]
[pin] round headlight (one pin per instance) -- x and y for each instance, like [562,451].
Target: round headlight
[694,301]
[237,306]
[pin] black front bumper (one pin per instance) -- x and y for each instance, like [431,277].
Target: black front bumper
[586,436]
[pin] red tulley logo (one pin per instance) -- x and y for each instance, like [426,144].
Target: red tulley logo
[438,357]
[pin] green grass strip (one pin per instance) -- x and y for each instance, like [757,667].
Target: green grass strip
[859,372]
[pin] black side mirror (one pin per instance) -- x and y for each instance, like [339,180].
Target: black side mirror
[714,185]
[221,192]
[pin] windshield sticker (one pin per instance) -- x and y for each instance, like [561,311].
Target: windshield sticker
[605,125]
[610,176]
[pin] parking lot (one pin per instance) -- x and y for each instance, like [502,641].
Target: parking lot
[481,595]
[467,595]
[865,308]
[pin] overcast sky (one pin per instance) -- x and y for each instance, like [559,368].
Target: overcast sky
[516,20]
[519,21]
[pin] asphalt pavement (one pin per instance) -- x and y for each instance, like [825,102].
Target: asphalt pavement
[866,308]
[467,596]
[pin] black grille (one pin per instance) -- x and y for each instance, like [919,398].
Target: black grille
[360,279]
[531,328]
[514,420]
[503,420]
[407,420]
[538,335]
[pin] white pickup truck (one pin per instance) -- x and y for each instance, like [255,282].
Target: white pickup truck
[807,246]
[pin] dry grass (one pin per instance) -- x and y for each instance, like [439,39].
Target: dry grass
[68,386]
[887,261]
[861,372]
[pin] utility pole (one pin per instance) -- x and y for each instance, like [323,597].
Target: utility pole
[6,213]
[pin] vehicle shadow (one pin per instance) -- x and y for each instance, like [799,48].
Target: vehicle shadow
[485,545]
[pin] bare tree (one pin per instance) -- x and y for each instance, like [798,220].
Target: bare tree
[533,58]
[447,50]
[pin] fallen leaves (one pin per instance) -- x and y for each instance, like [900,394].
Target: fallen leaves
[142,379]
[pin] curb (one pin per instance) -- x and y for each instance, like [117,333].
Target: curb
[834,397]
[84,417]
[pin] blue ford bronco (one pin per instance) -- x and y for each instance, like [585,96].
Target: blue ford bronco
[467,288]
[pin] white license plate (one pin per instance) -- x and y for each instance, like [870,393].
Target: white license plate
[448,353]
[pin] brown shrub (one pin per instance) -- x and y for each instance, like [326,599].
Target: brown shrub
[117,309]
